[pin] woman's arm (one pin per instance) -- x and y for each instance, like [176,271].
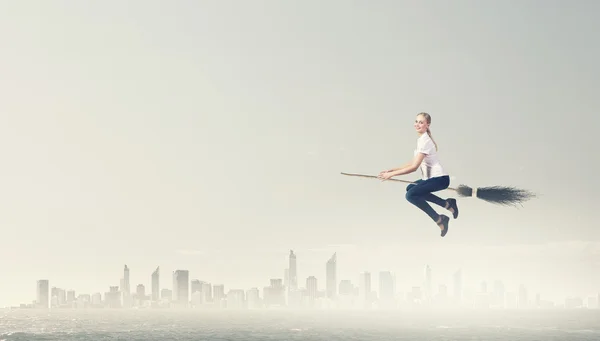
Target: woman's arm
[395,169]
[408,168]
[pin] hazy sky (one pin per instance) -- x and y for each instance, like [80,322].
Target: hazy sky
[209,136]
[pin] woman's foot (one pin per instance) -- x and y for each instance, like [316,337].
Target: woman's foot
[452,207]
[442,222]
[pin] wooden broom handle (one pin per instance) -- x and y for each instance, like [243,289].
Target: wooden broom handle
[375,177]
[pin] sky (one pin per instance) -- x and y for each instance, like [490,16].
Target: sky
[210,136]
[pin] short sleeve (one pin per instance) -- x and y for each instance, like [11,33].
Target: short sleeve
[425,146]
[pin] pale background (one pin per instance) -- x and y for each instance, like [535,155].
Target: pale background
[209,136]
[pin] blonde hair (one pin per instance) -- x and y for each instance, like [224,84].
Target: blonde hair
[428,119]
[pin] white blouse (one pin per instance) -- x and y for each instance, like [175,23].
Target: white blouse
[431,166]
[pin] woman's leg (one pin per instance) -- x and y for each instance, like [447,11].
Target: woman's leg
[449,204]
[419,193]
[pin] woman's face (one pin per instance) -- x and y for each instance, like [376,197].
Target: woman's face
[421,124]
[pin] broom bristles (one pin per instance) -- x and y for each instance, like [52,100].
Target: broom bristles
[501,195]
[464,191]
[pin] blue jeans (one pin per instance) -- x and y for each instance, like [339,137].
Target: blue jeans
[420,193]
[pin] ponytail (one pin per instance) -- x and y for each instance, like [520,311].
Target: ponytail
[429,133]
[428,119]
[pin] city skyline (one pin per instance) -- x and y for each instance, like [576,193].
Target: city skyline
[555,276]
[384,293]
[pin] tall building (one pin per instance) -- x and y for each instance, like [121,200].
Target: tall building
[196,286]
[275,293]
[54,297]
[71,297]
[62,297]
[523,299]
[112,297]
[312,289]
[235,299]
[126,288]
[458,286]
[97,299]
[166,294]
[428,283]
[140,292]
[253,298]
[207,293]
[43,294]
[365,285]
[293,271]
[331,276]
[386,287]
[156,285]
[346,288]
[181,288]
[203,289]
[218,292]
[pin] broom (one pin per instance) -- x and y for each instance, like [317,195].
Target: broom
[500,195]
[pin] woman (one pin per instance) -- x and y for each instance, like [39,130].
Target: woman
[433,176]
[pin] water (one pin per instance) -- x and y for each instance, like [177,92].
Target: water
[286,325]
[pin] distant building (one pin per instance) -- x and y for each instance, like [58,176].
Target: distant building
[218,292]
[166,294]
[113,297]
[428,283]
[458,286]
[386,288]
[312,289]
[181,290]
[331,277]
[43,294]
[274,295]
[365,285]
[293,272]
[156,285]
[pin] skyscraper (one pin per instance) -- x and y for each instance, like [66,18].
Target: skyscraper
[386,287]
[70,297]
[43,293]
[365,285]
[218,292]
[523,299]
[331,276]
[156,285]
[54,294]
[140,292]
[293,271]
[428,282]
[196,286]
[181,288]
[458,286]
[346,288]
[498,298]
[311,287]
[112,297]
[126,289]
[275,293]
[253,298]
